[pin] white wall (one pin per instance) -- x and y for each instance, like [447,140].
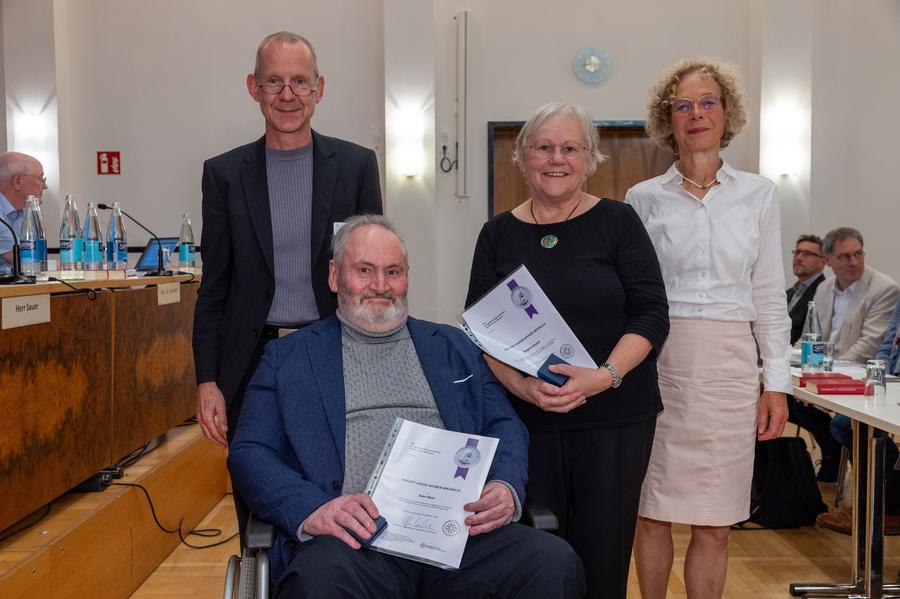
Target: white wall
[163,82]
[31,89]
[855,127]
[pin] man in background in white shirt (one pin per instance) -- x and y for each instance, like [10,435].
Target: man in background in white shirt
[854,305]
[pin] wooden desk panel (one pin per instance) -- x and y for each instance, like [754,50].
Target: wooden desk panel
[55,408]
[103,377]
[153,367]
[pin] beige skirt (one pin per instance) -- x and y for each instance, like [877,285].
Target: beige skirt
[701,464]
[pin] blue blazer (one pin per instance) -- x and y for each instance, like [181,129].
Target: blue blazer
[287,457]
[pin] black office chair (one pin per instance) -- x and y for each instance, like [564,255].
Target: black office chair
[247,576]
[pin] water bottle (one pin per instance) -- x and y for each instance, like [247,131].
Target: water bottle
[876,391]
[69,232]
[41,241]
[29,254]
[93,257]
[116,240]
[812,349]
[186,244]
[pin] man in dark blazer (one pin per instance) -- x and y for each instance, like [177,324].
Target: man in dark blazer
[319,410]
[808,265]
[269,210]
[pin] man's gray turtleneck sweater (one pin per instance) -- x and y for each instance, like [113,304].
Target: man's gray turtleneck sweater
[383,380]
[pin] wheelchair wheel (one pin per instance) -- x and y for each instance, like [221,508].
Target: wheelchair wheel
[246,588]
[232,573]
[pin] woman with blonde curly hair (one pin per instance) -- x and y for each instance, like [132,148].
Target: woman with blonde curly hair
[717,233]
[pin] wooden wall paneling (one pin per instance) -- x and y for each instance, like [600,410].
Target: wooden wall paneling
[55,411]
[631,158]
[153,369]
[28,580]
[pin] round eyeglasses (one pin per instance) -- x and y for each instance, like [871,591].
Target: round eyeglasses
[705,103]
[544,150]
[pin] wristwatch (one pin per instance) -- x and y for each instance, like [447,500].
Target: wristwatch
[616,379]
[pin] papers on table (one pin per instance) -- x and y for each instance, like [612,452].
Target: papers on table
[515,323]
[422,480]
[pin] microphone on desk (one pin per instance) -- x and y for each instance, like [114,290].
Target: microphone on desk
[15,277]
[160,267]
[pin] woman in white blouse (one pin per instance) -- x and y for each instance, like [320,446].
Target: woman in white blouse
[717,234]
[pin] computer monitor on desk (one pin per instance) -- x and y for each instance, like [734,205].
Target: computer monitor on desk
[149,258]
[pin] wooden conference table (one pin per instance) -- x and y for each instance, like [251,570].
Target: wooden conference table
[871,425]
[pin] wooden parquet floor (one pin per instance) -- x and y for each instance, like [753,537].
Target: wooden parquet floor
[762,563]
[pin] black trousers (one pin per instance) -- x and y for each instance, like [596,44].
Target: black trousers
[592,479]
[512,561]
[818,423]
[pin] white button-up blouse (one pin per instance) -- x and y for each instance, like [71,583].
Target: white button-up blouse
[721,257]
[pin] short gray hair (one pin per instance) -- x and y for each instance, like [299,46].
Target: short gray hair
[550,111]
[14,163]
[339,241]
[285,37]
[840,234]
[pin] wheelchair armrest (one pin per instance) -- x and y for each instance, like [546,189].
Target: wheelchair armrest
[540,518]
[260,534]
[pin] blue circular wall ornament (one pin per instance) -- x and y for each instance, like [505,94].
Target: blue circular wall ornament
[592,65]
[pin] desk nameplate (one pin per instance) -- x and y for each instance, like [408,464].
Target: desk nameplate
[25,310]
[168,293]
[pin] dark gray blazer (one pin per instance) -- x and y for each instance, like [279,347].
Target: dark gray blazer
[238,257]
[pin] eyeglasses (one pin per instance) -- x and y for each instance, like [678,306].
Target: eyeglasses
[299,86]
[847,256]
[545,150]
[806,254]
[41,178]
[705,103]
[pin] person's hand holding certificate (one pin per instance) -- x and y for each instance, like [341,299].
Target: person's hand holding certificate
[422,484]
[515,323]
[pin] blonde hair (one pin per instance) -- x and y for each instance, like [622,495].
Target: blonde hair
[659,105]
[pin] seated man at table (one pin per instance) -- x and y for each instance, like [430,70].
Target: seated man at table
[854,307]
[318,412]
[842,433]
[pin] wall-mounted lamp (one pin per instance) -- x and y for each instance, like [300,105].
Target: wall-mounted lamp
[409,132]
[784,149]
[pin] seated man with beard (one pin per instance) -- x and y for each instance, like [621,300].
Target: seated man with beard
[318,412]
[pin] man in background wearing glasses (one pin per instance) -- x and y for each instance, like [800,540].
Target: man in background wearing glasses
[21,176]
[269,211]
[808,265]
[855,304]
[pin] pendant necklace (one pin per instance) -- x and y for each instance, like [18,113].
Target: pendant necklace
[548,242]
[698,185]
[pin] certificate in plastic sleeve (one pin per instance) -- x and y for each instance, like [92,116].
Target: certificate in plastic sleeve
[420,484]
[516,323]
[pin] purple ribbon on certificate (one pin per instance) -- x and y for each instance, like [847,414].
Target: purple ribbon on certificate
[466,457]
[523,300]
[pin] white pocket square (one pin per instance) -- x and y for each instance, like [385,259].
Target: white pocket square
[463,380]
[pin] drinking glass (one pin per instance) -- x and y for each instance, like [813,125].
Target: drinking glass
[828,362]
[876,391]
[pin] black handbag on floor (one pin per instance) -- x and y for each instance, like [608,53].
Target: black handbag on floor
[784,493]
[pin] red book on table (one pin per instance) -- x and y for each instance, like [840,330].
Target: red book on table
[849,387]
[823,377]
